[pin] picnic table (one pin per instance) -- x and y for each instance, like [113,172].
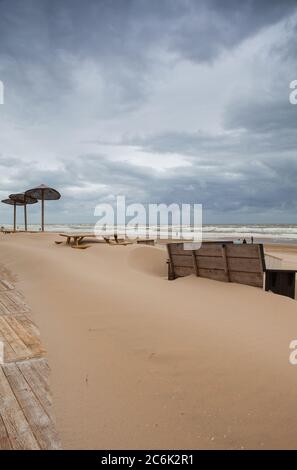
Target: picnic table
[77,237]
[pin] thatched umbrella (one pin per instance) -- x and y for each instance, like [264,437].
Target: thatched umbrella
[23,199]
[14,204]
[43,193]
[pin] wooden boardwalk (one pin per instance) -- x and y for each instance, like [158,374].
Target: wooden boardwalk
[26,416]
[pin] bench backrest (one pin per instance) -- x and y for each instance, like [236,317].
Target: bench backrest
[244,264]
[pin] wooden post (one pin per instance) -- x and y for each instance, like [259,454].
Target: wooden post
[226,268]
[171,274]
[195,261]
[25,215]
[42,212]
[14,216]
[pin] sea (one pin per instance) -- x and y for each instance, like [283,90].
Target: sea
[272,233]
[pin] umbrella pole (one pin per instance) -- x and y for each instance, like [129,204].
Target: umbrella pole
[42,212]
[25,215]
[14,216]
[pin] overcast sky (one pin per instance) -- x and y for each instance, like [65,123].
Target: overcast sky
[159,100]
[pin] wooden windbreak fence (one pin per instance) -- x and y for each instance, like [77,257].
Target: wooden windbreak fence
[243,264]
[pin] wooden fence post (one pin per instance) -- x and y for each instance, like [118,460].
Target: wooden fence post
[195,261]
[226,268]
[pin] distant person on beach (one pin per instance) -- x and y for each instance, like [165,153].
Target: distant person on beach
[244,241]
[252,239]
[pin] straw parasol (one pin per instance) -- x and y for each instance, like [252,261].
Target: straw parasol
[23,199]
[14,204]
[43,193]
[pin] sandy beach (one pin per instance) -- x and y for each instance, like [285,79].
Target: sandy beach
[140,362]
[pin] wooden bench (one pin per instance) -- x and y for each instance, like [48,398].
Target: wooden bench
[243,264]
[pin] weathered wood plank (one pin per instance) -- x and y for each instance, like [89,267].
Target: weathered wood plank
[181,271]
[176,248]
[242,251]
[39,421]
[28,324]
[171,273]
[215,274]
[206,249]
[226,262]
[12,302]
[32,342]
[15,422]
[250,279]
[38,383]
[12,339]
[249,265]
[150,242]
[4,439]
[5,285]
[183,260]
[195,263]
[18,299]
[211,262]
[209,249]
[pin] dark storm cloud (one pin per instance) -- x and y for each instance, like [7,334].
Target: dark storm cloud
[38,29]
[231,187]
[49,49]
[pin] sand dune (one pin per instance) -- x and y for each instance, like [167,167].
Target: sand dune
[141,362]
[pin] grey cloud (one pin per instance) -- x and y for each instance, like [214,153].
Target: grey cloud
[244,185]
[248,168]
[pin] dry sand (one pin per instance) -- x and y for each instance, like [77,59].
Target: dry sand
[141,362]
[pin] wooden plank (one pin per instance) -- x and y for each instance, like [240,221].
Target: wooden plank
[38,383]
[211,262]
[181,271]
[16,425]
[250,279]
[249,265]
[195,263]
[183,260]
[226,262]
[18,299]
[39,421]
[262,257]
[171,269]
[9,353]
[28,324]
[32,341]
[3,309]
[4,439]
[206,249]
[5,285]
[215,274]
[175,248]
[43,367]
[11,338]
[11,302]
[242,251]
[78,234]
[150,242]
[210,249]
